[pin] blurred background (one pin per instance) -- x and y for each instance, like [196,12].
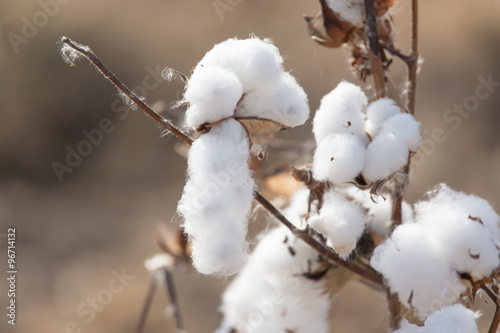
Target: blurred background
[77,231]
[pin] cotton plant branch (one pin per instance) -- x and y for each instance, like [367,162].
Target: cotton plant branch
[147,304]
[367,273]
[374,48]
[169,283]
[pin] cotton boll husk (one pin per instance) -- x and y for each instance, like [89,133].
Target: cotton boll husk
[456,221]
[212,93]
[217,199]
[256,62]
[379,210]
[339,158]
[341,222]
[271,294]
[285,103]
[404,127]
[413,262]
[452,319]
[341,111]
[385,155]
[377,112]
[351,11]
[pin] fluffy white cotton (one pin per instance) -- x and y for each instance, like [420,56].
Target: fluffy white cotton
[385,155]
[341,221]
[212,93]
[255,62]
[285,103]
[414,266]
[352,11]
[377,112]
[451,319]
[341,111]
[339,158]
[271,294]
[378,210]
[404,127]
[217,199]
[467,228]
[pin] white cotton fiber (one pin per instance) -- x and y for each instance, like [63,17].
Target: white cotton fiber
[341,111]
[385,155]
[285,103]
[212,93]
[352,11]
[467,228]
[217,199]
[341,222]
[377,112]
[271,294]
[404,127]
[378,210]
[339,158]
[452,319]
[414,266]
[255,62]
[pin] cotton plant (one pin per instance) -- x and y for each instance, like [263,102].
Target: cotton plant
[349,219]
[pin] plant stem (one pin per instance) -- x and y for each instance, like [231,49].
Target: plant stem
[368,273]
[147,304]
[374,48]
[413,60]
[169,282]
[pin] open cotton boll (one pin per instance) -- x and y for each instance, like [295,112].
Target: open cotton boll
[341,222]
[341,111]
[212,93]
[378,211]
[415,267]
[271,294]
[385,155]
[377,112]
[456,221]
[255,62]
[339,158]
[285,103]
[452,319]
[352,11]
[217,199]
[404,127]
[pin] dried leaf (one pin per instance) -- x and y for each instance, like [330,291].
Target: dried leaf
[260,130]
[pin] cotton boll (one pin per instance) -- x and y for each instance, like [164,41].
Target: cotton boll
[377,112]
[404,127]
[456,221]
[385,155]
[452,319]
[341,222]
[415,267]
[256,62]
[271,294]
[212,93]
[378,211]
[285,103]
[341,111]
[351,11]
[339,158]
[217,199]
[298,208]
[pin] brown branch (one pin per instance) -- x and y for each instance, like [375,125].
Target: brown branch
[367,273]
[394,309]
[496,318]
[90,55]
[169,283]
[374,48]
[413,60]
[147,304]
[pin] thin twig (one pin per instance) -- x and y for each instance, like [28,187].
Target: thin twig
[169,283]
[413,60]
[374,48]
[370,275]
[90,55]
[496,318]
[394,309]
[147,304]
